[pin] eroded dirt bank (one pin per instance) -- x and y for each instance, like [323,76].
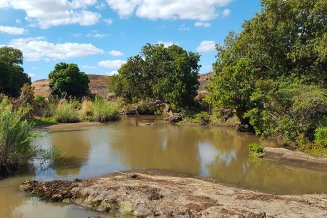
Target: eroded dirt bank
[158,195]
[295,158]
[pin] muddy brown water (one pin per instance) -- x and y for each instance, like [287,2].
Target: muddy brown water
[150,143]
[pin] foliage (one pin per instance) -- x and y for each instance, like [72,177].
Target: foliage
[12,76]
[46,121]
[287,110]
[15,137]
[67,81]
[105,111]
[272,75]
[321,135]
[168,74]
[287,39]
[232,87]
[41,107]
[66,112]
[256,150]
[202,117]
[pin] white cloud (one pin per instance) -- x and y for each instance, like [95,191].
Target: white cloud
[101,6]
[226,12]
[207,46]
[166,44]
[116,53]
[183,27]
[202,24]
[89,67]
[95,34]
[4,3]
[111,64]
[35,49]
[32,75]
[12,30]
[47,13]
[108,21]
[172,9]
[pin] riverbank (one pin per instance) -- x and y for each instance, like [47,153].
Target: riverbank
[65,126]
[149,194]
[295,158]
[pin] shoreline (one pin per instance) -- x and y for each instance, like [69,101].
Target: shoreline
[295,158]
[163,194]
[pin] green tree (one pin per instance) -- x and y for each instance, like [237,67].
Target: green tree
[66,80]
[12,76]
[164,73]
[273,74]
[232,87]
[289,39]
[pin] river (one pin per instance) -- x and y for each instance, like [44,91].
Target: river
[150,143]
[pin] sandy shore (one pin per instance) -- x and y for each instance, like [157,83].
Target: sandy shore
[149,194]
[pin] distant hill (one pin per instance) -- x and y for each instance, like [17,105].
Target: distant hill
[99,85]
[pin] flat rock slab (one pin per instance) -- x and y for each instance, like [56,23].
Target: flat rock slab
[153,195]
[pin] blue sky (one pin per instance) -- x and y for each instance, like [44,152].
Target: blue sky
[99,35]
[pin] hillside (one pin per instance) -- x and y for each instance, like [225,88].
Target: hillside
[99,85]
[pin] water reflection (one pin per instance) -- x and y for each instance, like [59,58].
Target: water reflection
[214,152]
[145,143]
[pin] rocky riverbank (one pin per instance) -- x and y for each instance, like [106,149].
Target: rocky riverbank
[150,194]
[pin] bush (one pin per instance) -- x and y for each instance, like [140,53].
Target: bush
[202,117]
[321,135]
[41,107]
[256,150]
[66,113]
[287,110]
[105,111]
[15,137]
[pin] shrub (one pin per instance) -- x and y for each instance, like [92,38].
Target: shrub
[321,135]
[66,113]
[15,137]
[202,117]
[105,111]
[256,148]
[41,107]
[287,110]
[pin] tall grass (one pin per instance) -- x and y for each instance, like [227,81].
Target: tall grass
[105,111]
[15,137]
[87,110]
[66,112]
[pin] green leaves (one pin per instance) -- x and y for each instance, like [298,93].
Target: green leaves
[66,80]
[273,74]
[169,74]
[12,76]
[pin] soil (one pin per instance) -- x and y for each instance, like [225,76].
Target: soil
[155,194]
[68,126]
[295,158]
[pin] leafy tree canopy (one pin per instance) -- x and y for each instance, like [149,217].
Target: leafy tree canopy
[164,73]
[66,80]
[273,74]
[12,76]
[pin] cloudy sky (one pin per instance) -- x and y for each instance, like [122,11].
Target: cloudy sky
[99,35]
